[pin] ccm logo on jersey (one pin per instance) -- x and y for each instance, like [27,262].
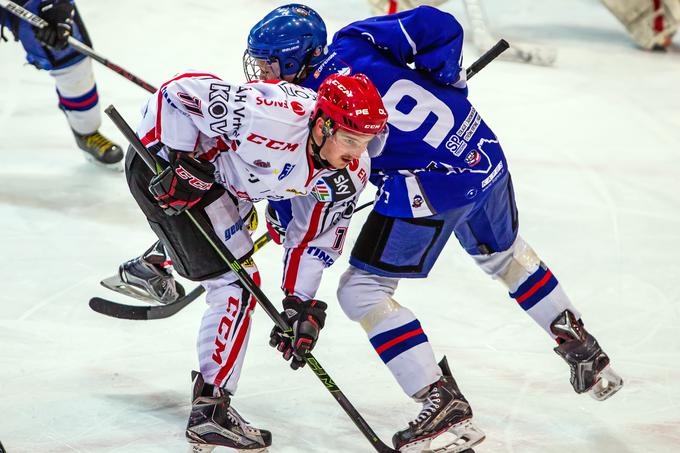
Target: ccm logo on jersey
[191,179]
[336,187]
[271,143]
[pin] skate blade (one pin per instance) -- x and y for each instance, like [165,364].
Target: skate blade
[608,384]
[457,439]
[205,448]
[201,448]
[114,283]
[116,166]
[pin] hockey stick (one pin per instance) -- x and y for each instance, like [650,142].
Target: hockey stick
[483,37]
[136,312]
[149,312]
[255,290]
[38,22]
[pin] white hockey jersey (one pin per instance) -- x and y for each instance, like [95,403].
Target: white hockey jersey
[256,135]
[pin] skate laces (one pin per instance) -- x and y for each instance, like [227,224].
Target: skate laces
[430,406]
[98,141]
[236,418]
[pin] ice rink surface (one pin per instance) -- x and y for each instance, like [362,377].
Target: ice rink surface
[593,145]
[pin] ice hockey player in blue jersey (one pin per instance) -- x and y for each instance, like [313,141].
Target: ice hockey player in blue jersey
[442,171]
[48,49]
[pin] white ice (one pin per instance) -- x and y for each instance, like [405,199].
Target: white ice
[593,145]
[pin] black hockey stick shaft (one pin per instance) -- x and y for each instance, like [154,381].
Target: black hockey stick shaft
[39,22]
[261,298]
[486,58]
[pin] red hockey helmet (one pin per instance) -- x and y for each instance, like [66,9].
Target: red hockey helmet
[351,103]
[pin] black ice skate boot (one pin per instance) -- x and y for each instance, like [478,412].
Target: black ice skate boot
[214,423]
[146,279]
[445,410]
[100,150]
[590,370]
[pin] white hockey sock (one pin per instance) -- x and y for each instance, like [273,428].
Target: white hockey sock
[78,96]
[393,330]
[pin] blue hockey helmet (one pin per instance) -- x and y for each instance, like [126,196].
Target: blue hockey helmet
[286,42]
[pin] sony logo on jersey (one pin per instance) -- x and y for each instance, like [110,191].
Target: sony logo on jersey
[271,143]
[295,106]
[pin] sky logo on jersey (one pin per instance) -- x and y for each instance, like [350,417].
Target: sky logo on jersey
[287,169]
[321,191]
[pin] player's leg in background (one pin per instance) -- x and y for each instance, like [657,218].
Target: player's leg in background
[490,236]
[389,249]
[76,90]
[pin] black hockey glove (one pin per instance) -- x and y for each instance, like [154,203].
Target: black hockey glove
[307,319]
[182,184]
[59,15]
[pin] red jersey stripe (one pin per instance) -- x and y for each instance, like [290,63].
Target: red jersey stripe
[296,253]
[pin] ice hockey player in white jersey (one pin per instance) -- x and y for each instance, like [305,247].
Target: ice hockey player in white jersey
[224,147]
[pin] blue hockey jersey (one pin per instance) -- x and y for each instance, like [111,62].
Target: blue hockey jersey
[440,154]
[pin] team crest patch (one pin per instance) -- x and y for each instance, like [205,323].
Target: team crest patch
[417,201]
[472,158]
[321,191]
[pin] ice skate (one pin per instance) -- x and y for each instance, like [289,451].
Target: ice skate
[590,370]
[145,280]
[214,423]
[445,413]
[100,150]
